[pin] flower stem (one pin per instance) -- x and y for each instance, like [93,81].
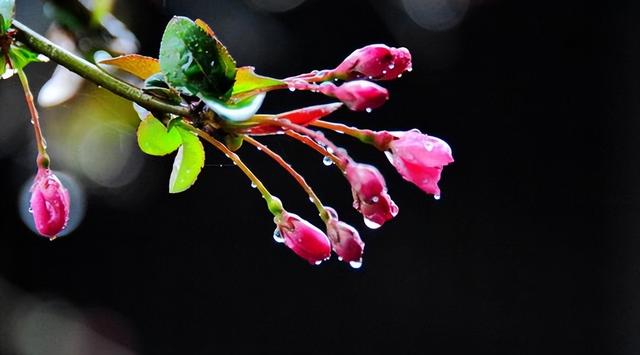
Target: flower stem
[315,146]
[299,178]
[363,135]
[343,158]
[92,73]
[274,204]
[43,158]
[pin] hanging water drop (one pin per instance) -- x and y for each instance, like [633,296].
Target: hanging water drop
[253,185]
[292,89]
[368,109]
[399,75]
[371,224]
[355,264]
[436,196]
[259,148]
[277,236]
[318,262]
[327,161]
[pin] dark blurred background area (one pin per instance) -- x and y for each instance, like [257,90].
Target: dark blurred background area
[533,248]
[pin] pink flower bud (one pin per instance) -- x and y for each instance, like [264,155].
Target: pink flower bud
[303,238]
[358,95]
[49,204]
[375,61]
[370,194]
[419,158]
[346,241]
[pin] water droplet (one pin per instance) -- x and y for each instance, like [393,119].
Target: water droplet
[259,148]
[234,163]
[375,199]
[368,109]
[292,89]
[436,196]
[370,77]
[371,224]
[340,258]
[253,185]
[310,199]
[327,161]
[428,146]
[330,150]
[399,75]
[213,63]
[355,264]
[277,236]
[392,65]
[384,72]
[318,262]
[30,210]
[409,69]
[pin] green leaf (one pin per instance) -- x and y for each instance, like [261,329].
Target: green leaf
[7,10]
[155,139]
[247,80]
[188,162]
[239,112]
[21,57]
[3,65]
[194,62]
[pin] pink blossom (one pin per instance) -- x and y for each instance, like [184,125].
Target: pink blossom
[309,242]
[370,194]
[345,239]
[358,95]
[49,203]
[419,158]
[375,61]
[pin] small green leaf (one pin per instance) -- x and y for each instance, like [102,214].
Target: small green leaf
[21,57]
[239,112]
[188,162]
[155,139]
[3,65]
[7,10]
[247,80]
[194,62]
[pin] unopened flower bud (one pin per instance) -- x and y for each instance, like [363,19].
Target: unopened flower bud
[420,158]
[309,242]
[370,195]
[345,240]
[49,203]
[358,95]
[376,61]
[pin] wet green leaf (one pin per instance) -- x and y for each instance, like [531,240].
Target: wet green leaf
[188,162]
[7,10]
[3,65]
[247,80]
[194,62]
[21,57]
[155,139]
[238,112]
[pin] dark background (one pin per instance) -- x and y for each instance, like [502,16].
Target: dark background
[533,248]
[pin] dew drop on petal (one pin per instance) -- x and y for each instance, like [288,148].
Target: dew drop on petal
[292,89]
[277,236]
[371,224]
[384,72]
[339,258]
[409,69]
[330,150]
[392,65]
[375,199]
[368,109]
[355,264]
[428,146]
[399,76]
[436,197]
[318,262]
[327,161]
